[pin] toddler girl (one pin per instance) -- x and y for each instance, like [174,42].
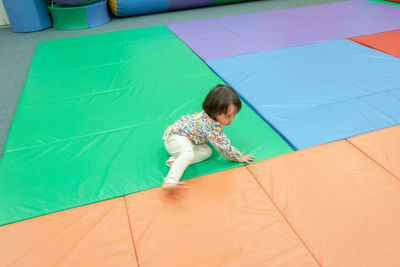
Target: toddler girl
[186,139]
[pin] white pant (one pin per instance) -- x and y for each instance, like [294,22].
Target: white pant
[183,153]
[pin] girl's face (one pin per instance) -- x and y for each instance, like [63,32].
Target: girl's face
[228,117]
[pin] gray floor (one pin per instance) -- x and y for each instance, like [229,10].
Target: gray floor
[17,49]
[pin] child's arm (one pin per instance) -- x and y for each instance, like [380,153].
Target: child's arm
[221,142]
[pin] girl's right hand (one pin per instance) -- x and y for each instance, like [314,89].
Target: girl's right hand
[246,158]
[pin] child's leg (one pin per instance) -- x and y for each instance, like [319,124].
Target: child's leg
[183,150]
[201,152]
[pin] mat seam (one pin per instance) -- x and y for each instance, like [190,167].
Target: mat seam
[374,161]
[130,229]
[76,138]
[124,43]
[276,207]
[62,100]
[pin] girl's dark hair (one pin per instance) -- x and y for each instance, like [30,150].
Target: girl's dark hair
[219,99]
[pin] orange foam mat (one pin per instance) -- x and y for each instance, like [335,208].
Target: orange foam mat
[92,235]
[382,146]
[387,42]
[223,219]
[344,207]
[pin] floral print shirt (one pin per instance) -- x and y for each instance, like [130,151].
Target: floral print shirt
[201,128]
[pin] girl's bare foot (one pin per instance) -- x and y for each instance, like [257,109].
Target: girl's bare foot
[172,188]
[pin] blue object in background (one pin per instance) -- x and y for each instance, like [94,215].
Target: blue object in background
[27,15]
[318,93]
[137,7]
[97,14]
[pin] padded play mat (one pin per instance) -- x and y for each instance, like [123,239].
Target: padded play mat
[84,159]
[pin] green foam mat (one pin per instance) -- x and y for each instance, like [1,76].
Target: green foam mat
[91,118]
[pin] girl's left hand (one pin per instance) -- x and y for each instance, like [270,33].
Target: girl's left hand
[246,158]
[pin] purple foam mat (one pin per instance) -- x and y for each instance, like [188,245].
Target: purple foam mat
[243,34]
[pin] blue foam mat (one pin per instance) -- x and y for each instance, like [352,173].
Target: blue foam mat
[318,93]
